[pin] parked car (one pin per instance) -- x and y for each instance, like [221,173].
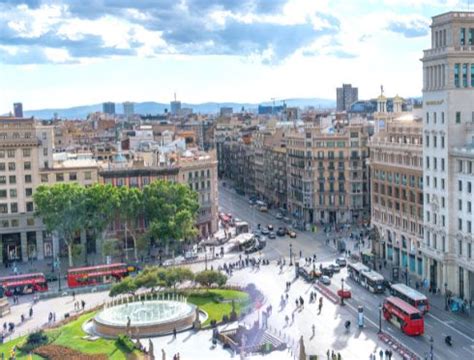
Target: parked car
[326,280]
[263,209]
[335,268]
[287,220]
[251,202]
[346,294]
[291,233]
[279,216]
[270,227]
[341,261]
[281,231]
[271,235]
[264,231]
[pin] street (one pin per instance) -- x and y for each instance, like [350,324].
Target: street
[438,323]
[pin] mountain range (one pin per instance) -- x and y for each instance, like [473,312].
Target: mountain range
[150,107]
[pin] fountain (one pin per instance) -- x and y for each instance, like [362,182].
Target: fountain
[148,316]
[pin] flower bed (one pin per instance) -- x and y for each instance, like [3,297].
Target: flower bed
[58,352]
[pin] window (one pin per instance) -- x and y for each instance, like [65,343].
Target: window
[3,179]
[28,191]
[435,141]
[29,206]
[12,179]
[442,184]
[427,162]
[464,75]
[11,166]
[469,227]
[27,179]
[472,75]
[2,166]
[459,224]
[427,117]
[442,142]
[460,247]
[3,208]
[2,154]
[44,178]
[3,194]
[442,164]
[462,36]
[470,39]
[11,153]
[30,222]
[15,223]
[27,165]
[469,207]
[26,152]
[13,208]
[12,193]
[427,141]
[443,202]
[44,136]
[87,175]
[457,70]
[442,117]
[469,187]
[59,177]
[45,151]
[458,117]
[73,176]
[460,204]
[459,185]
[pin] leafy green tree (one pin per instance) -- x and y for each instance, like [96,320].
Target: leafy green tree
[176,275]
[125,286]
[130,210]
[62,209]
[101,202]
[150,278]
[207,278]
[171,210]
[110,247]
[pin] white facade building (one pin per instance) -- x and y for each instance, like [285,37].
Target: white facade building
[448,130]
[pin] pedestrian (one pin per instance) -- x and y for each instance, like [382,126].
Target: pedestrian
[50,317]
[328,353]
[54,317]
[287,319]
[292,317]
[174,333]
[301,302]
[4,326]
[31,312]
[22,318]
[313,328]
[381,354]
[73,296]
[163,354]
[83,303]
[297,304]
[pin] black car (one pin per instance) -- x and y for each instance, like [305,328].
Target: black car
[281,231]
[327,271]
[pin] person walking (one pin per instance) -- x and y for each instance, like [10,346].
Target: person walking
[320,307]
[174,333]
[31,312]
[313,330]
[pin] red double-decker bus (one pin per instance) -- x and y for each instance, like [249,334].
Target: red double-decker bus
[408,318]
[100,274]
[24,284]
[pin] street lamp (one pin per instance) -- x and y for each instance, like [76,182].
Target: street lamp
[431,347]
[342,291]
[446,297]
[406,271]
[58,264]
[380,319]
[205,258]
[291,255]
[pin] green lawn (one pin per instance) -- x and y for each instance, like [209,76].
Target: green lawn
[216,302]
[70,335]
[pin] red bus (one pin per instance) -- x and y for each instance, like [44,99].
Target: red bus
[411,296]
[24,284]
[100,274]
[403,315]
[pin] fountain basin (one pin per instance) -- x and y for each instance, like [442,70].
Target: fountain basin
[145,318]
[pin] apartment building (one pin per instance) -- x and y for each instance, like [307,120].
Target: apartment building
[27,161]
[448,130]
[274,164]
[327,175]
[396,156]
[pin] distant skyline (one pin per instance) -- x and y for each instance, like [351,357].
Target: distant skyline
[64,53]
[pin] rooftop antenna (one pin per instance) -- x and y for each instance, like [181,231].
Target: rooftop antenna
[381,89]
[175,96]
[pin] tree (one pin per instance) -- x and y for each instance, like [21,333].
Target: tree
[125,286]
[101,202]
[130,210]
[62,209]
[171,210]
[110,247]
[207,278]
[150,278]
[176,275]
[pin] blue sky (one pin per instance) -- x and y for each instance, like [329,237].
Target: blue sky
[61,53]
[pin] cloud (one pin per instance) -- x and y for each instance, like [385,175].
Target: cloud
[410,28]
[29,56]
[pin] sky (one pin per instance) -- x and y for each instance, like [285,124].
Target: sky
[62,53]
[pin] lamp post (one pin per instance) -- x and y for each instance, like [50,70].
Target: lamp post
[291,255]
[446,297]
[342,291]
[380,319]
[58,264]
[205,258]
[431,347]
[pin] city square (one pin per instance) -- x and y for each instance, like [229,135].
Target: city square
[310,198]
